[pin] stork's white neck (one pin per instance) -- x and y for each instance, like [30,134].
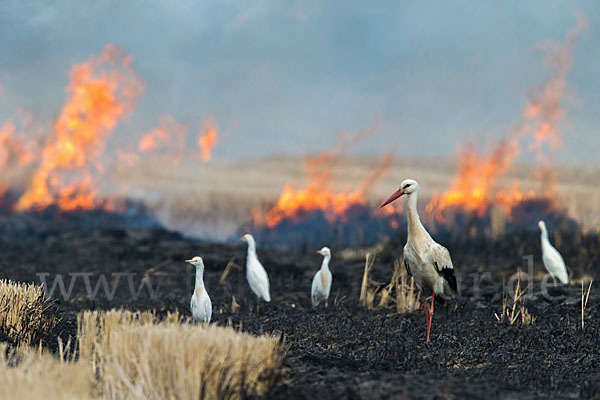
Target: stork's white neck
[416,230]
[325,263]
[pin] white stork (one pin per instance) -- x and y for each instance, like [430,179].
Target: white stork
[255,272]
[200,303]
[427,261]
[552,259]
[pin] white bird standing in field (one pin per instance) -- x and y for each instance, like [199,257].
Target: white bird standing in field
[200,303]
[321,283]
[552,259]
[427,261]
[255,272]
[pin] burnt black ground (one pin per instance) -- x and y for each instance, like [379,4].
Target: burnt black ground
[342,351]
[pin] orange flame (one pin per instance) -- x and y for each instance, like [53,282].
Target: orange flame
[168,139]
[476,180]
[12,149]
[476,185]
[101,91]
[207,139]
[319,194]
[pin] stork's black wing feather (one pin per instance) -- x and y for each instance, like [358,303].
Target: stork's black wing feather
[448,275]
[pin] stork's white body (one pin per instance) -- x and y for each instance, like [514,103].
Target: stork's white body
[553,261]
[200,303]
[321,283]
[257,277]
[427,261]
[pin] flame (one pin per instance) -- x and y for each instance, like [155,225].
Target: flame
[207,139]
[167,139]
[543,112]
[478,180]
[101,92]
[319,194]
[13,150]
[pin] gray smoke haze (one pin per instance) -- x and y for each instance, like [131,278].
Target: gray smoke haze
[287,76]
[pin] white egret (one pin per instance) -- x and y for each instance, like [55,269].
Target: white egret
[255,272]
[552,259]
[321,283]
[200,303]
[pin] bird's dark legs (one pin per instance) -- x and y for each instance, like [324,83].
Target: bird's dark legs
[429,314]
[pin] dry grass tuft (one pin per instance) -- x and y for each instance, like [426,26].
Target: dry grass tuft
[512,311]
[138,357]
[235,307]
[407,294]
[133,355]
[400,293]
[367,293]
[584,300]
[25,315]
[26,373]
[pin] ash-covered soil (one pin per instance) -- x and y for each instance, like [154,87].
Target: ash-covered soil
[342,351]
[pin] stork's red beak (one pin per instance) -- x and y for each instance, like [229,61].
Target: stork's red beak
[393,197]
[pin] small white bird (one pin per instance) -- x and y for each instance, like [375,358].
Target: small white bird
[200,303]
[426,260]
[255,272]
[552,259]
[321,283]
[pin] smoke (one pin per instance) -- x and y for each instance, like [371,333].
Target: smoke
[478,181]
[544,112]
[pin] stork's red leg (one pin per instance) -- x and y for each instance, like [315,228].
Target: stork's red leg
[427,318]
[431,313]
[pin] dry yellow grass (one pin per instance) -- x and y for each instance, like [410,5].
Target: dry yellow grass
[511,311]
[30,374]
[407,294]
[401,293]
[127,355]
[138,358]
[24,313]
[584,301]
[366,294]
